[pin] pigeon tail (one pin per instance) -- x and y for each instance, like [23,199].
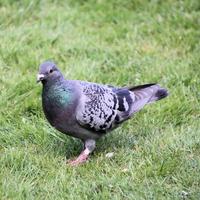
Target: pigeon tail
[160,94]
[146,94]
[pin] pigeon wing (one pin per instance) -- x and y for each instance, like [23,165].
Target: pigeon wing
[102,108]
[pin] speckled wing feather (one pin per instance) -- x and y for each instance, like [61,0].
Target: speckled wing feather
[102,107]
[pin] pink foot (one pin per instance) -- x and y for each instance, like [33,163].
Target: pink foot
[82,158]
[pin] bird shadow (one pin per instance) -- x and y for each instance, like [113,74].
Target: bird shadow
[115,141]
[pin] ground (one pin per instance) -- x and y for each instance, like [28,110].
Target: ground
[156,155]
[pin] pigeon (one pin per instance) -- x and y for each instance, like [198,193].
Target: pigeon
[87,110]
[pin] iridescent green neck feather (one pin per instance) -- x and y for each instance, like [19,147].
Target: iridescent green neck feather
[60,96]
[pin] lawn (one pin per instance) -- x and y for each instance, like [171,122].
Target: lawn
[116,42]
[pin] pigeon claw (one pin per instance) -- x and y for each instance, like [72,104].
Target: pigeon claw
[82,158]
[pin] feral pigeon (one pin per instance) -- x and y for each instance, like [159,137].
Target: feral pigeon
[88,110]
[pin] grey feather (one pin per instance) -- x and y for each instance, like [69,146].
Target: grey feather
[88,110]
[98,107]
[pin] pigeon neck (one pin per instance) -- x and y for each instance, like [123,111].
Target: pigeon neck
[56,92]
[53,81]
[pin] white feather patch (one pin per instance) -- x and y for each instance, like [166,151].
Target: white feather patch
[125,104]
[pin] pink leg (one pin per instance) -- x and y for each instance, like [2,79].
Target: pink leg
[82,158]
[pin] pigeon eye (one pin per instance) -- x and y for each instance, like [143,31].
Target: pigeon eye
[51,70]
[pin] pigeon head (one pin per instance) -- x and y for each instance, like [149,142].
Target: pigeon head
[48,71]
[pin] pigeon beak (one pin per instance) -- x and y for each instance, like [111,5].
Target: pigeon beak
[40,77]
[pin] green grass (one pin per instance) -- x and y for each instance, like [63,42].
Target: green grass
[157,153]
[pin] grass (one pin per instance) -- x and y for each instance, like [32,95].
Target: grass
[157,153]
